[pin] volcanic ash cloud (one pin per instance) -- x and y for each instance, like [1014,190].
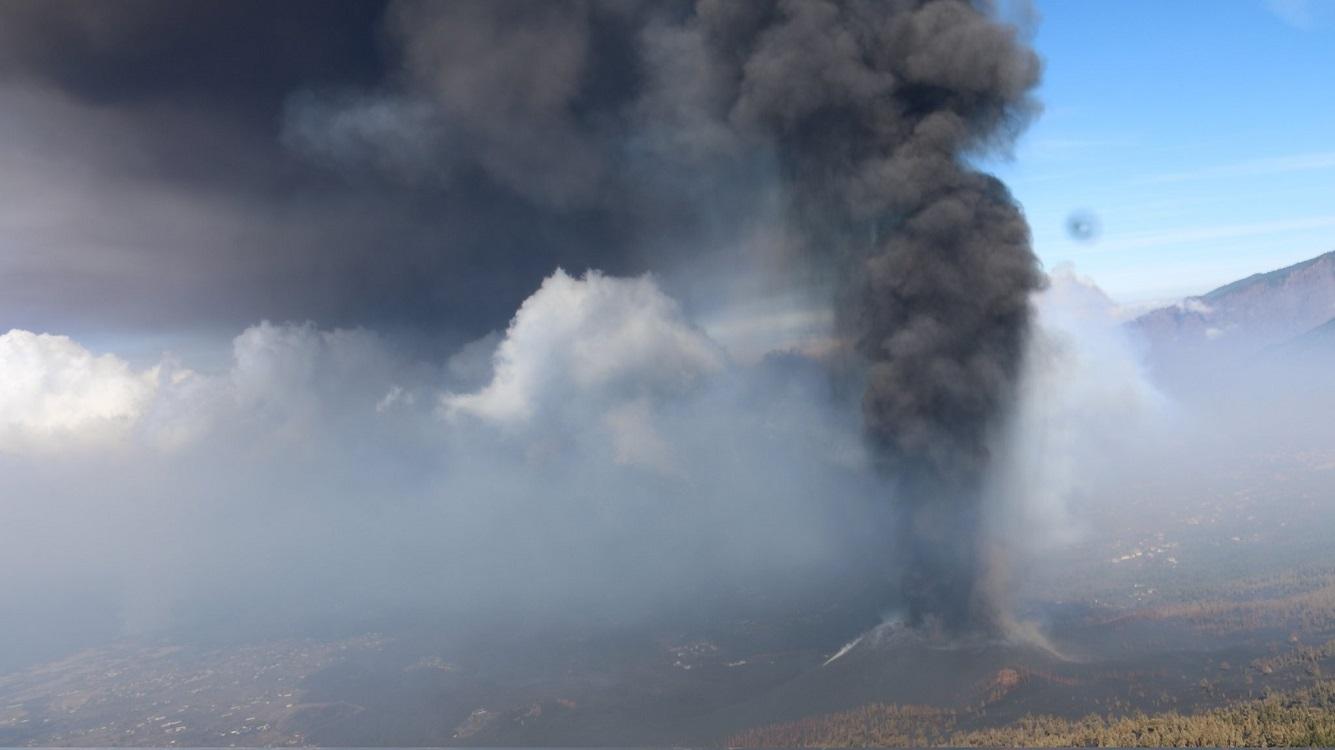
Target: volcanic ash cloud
[856,119]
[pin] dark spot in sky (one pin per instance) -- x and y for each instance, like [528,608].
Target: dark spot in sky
[1083,226]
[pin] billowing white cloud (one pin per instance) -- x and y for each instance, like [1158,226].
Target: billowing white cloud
[295,371]
[53,391]
[284,379]
[590,335]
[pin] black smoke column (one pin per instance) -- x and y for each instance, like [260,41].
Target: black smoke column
[874,109]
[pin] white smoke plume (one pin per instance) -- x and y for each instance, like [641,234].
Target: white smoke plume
[615,458]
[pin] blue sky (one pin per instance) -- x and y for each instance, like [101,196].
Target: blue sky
[1201,134]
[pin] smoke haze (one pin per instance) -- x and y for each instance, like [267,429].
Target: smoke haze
[786,349]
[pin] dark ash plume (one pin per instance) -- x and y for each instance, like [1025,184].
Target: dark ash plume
[873,108]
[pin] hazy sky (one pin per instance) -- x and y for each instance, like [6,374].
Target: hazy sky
[1199,134]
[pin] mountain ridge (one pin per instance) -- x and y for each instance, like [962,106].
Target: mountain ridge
[1241,319]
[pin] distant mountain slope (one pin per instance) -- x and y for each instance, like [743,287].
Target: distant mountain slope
[1239,319]
[1314,346]
[1323,334]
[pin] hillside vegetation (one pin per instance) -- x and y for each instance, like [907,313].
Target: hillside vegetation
[1299,718]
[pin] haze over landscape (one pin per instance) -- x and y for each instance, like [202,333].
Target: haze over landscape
[627,373]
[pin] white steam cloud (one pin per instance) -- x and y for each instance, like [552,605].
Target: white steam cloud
[54,392]
[604,458]
[594,334]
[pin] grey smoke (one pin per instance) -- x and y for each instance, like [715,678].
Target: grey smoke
[868,113]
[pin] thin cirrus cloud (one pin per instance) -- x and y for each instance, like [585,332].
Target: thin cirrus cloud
[1303,15]
[1187,235]
[1288,164]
